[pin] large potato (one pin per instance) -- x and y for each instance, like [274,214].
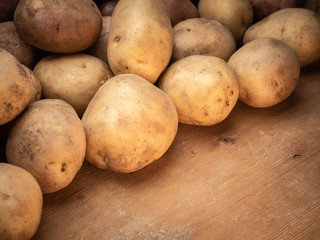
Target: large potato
[14,44]
[141,38]
[267,70]
[20,203]
[74,78]
[297,27]
[202,36]
[15,87]
[129,123]
[204,89]
[57,25]
[236,15]
[48,140]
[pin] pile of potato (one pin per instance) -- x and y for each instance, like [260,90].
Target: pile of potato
[109,82]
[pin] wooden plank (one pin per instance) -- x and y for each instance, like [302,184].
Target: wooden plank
[256,175]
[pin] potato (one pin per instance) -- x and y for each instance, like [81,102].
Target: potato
[297,27]
[267,70]
[201,36]
[20,203]
[58,26]
[129,124]
[236,15]
[107,7]
[14,44]
[15,87]
[141,38]
[100,48]
[48,140]
[263,8]
[180,10]
[74,78]
[204,89]
[7,8]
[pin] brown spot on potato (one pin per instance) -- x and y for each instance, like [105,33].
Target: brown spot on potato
[117,39]
[219,99]
[57,28]
[63,167]
[4,196]
[227,103]
[226,140]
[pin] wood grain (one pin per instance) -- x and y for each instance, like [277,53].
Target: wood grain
[256,175]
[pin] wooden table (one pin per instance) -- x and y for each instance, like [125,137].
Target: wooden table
[256,175]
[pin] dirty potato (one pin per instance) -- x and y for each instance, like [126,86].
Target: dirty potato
[204,89]
[48,140]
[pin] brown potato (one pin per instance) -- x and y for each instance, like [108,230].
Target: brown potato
[14,44]
[297,27]
[20,203]
[58,26]
[201,36]
[141,38]
[36,88]
[180,10]
[267,70]
[48,140]
[236,15]
[74,78]
[15,87]
[204,89]
[129,124]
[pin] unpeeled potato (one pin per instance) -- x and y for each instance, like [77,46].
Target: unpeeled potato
[129,124]
[297,27]
[204,89]
[48,140]
[267,71]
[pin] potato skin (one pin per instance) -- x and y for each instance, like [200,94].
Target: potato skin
[129,124]
[180,10]
[204,89]
[141,38]
[48,140]
[267,70]
[74,78]
[15,87]
[14,44]
[58,26]
[263,8]
[297,27]
[236,15]
[201,36]
[100,48]
[20,203]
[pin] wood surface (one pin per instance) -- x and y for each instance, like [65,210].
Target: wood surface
[256,175]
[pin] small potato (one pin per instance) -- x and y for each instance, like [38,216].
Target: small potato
[236,15]
[141,38]
[58,26]
[15,87]
[180,10]
[14,44]
[20,203]
[74,78]
[48,140]
[129,124]
[201,36]
[297,27]
[204,89]
[267,70]
[100,48]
